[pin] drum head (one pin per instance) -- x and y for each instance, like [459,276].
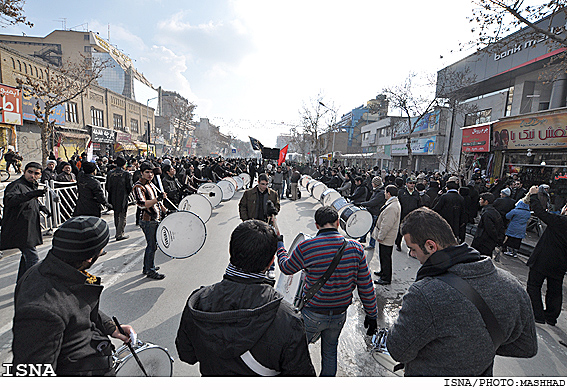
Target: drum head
[310,184]
[356,222]
[228,189]
[212,192]
[233,181]
[199,204]
[181,234]
[245,177]
[304,180]
[290,285]
[239,182]
[318,189]
[156,361]
[329,196]
[339,204]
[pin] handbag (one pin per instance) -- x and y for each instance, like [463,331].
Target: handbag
[323,279]
[492,325]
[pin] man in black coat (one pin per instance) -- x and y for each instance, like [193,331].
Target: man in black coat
[49,173]
[451,206]
[360,192]
[377,200]
[548,261]
[504,204]
[409,200]
[433,192]
[57,321]
[91,197]
[119,186]
[241,326]
[490,229]
[517,191]
[172,187]
[20,223]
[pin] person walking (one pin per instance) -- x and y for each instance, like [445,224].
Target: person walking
[325,313]
[548,262]
[119,186]
[516,229]
[373,205]
[386,231]
[451,206]
[91,197]
[254,201]
[409,200]
[490,229]
[294,183]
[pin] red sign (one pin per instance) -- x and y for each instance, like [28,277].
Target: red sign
[10,105]
[476,139]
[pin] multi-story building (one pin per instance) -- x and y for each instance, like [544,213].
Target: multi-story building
[174,123]
[517,125]
[210,141]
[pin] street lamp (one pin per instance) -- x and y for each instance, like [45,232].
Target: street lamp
[149,125]
[332,126]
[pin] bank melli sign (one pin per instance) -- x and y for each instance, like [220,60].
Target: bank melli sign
[533,132]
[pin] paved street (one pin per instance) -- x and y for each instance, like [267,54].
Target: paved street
[154,307]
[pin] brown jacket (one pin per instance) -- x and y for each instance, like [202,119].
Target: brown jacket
[248,203]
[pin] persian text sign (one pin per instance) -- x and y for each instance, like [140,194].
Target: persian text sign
[476,139]
[534,132]
[28,104]
[11,105]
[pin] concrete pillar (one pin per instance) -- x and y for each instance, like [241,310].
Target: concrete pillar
[558,92]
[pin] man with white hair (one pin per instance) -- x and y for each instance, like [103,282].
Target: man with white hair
[49,172]
[373,205]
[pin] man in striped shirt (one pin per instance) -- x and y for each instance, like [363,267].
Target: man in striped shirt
[148,199]
[325,314]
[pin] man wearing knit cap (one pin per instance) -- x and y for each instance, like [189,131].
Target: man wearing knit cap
[49,172]
[504,204]
[57,320]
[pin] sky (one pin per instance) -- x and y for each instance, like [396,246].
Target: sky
[251,65]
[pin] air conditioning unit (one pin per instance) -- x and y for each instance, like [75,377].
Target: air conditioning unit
[126,128]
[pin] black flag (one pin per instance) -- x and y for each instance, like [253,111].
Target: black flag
[256,145]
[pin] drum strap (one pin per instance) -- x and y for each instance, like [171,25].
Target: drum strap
[256,366]
[323,279]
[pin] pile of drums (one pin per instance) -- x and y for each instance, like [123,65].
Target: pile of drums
[355,221]
[183,233]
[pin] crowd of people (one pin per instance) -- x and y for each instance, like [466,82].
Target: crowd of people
[241,325]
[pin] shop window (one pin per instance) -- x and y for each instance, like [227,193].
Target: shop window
[71,112]
[118,123]
[477,118]
[97,117]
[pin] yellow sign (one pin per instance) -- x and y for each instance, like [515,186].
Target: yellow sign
[531,132]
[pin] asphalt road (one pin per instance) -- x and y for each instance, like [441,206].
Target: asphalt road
[154,308]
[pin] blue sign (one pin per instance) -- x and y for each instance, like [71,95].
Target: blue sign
[30,102]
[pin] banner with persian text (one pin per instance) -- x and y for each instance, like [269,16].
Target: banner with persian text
[534,132]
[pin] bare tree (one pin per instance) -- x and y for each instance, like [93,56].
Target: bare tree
[179,115]
[58,86]
[315,120]
[12,13]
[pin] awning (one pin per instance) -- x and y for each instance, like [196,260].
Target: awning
[140,146]
[120,146]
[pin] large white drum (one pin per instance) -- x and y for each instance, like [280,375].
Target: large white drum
[233,181]
[239,182]
[329,196]
[245,177]
[155,360]
[290,286]
[310,184]
[355,222]
[181,234]
[198,204]
[339,204]
[228,189]
[212,192]
[304,180]
[318,189]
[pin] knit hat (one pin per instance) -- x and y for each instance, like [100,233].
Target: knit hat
[377,180]
[506,191]
[120,161]
[453,178]
[80,238]
[51,162]
[89,167]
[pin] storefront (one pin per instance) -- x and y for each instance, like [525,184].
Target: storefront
[475,149]
[69,141]
[534,147]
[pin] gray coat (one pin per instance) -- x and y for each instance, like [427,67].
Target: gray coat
[439,332]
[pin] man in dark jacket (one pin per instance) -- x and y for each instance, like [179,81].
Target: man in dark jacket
[517,191]
[360,192]
[439,332]
[172,187]
[119,185]
[377,200]
[91,197]
[49,173]
[451,206]
[409,200]
[490,229]
[20,223]
[548,261]
[254,202]
[241,326]
[66,175]
[504,204]
[57,320]
[433,192]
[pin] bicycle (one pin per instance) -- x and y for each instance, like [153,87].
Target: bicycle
[4,173]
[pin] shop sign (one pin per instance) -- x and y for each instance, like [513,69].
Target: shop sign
[101,135]
[123,138]
[534,132]
[10,105]
[418,146]
[476,139]
[29,102]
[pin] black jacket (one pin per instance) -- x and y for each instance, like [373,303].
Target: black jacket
[504,206]
[91,196]
[409,202]
[550,253]
[173,189]
[490,230]
[20,222]
[359,195]
[451,206]
[118,186]
[377,200]
[57,320]
[223,321]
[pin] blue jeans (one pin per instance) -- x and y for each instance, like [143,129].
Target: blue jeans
[29,258]
[328,327]
[149,228]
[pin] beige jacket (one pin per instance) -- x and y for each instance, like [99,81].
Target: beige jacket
[388,222]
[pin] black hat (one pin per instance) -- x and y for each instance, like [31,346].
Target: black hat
[80,238]
[120,161]
[89,167]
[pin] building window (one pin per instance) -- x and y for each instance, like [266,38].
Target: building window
[25,68]
[118,123]
[87,49]
[509,100]
[71,113]
[13,64]
[97,117]
[19,65]
[477,118]
[134,128]
[86,37]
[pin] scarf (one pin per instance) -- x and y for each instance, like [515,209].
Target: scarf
[439,262]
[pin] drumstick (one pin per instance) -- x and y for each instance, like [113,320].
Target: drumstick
[129,344]
[163,192]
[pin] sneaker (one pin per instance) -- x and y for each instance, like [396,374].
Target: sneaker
[147,272]
[398,248]
[272,274]
[122,238]
[155,275]
[508,253]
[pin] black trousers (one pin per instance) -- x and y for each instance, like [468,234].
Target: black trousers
[553,296]
[385,253]
[120,222]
